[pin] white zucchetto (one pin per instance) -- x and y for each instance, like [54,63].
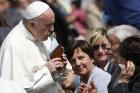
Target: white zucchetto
[35,9]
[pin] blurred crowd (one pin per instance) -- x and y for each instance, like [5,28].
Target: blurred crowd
[100,39]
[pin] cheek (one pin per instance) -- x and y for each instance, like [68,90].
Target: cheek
[87,63]
[44,28]
[87,68]
[43,31]
[115,48]
[95,55]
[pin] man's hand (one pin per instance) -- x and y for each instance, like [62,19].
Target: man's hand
[54,64]
[126,72]
[84,88]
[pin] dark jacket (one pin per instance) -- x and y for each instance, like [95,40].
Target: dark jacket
[113,68]
[12,17]
[132,87]
[3,33]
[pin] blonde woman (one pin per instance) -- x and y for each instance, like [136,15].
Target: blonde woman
[102,50]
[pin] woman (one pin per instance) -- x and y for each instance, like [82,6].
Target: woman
[102,50]
[82,63]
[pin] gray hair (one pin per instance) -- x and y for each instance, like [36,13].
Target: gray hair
[35,20]
[123,31]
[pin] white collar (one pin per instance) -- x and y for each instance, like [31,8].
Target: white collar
[106,66]
[27,32]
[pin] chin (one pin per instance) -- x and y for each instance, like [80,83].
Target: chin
[44,39]
[82,73]
[103,58]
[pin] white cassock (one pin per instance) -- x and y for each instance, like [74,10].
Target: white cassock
[7,86]
[22,60]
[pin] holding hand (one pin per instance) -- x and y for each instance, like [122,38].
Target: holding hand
[54,64]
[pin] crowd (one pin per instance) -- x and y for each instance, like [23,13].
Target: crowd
[69,46]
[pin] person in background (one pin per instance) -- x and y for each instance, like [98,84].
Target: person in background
[78,18]
[94,10]
[129,50]
[24,57]
[83,64]
[8,9]
[4,28]
[115,36]
[4,5]
[103,58]
[123,12]
[24,3]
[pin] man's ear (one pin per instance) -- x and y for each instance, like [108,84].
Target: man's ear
[32,24]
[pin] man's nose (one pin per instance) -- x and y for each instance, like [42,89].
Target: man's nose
[52,29]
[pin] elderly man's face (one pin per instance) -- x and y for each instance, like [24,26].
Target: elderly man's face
[114,41]
[44,26]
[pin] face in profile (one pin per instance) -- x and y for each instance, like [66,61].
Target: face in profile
[44,26]
[101,51]
[82,63]
[114,44]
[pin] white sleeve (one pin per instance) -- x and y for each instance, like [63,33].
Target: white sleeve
[42,80]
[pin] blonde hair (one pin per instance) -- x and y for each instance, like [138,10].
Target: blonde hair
[97,35]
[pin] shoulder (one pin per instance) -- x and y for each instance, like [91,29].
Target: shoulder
[17,37]
[100,75]
[99,71]
[101,80]
[113,68]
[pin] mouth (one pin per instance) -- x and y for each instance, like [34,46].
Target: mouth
[49,34]
[80,69]
[100,55]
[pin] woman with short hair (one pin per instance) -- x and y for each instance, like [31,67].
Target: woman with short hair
[83,64]
[102,50]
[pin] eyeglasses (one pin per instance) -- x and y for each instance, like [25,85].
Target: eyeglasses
[96,47]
